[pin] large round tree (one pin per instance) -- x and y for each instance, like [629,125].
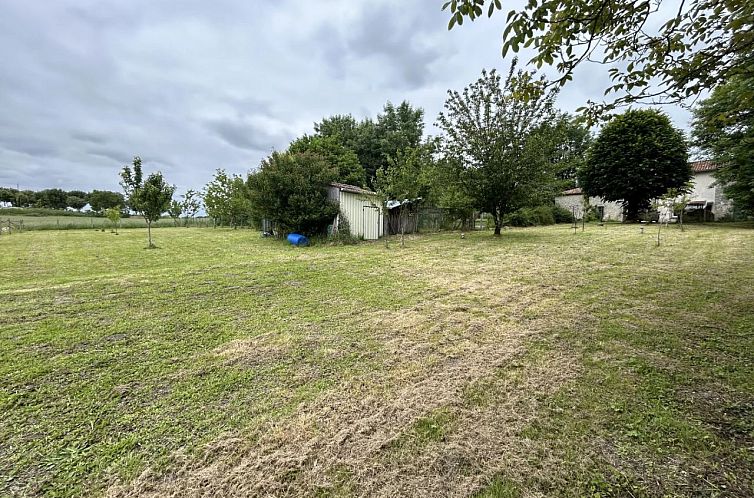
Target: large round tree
[637,157]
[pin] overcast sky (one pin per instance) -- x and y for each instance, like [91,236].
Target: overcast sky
[196,85]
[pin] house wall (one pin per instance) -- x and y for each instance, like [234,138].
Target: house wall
[364,218]
[612,210]
[705,190]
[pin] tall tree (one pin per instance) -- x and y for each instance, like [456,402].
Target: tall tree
[344,159]
[226,198]
[373,142]
[495,130]
[150,198]
[723,127]
[52,198]
[291,190]
[570,150]
[74,202]
[99,200]
[685,48]
[399,128]
[636,158]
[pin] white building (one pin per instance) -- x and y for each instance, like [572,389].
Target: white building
[362,209]
[706,195]
[573,200]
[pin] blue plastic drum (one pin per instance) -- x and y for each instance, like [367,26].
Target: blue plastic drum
[297,239]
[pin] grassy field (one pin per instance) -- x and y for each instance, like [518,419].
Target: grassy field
[539,363]
[79,222]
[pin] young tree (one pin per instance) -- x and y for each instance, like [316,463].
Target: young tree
[676,200]
[497,133]
[150,198]
[113,214]
[175,210]
[291,190]
[343,158]
[637,157]
[404,180]
[191,204]
[724,128]
[686,49]
[227,199]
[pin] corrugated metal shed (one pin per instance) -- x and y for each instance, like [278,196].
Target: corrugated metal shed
[362,209]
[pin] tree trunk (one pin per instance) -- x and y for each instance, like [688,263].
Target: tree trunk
[149,233]
[681,218]
[498,222]
[632,212]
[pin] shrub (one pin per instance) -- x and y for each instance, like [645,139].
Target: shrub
[519,218]
[562,215]
[543,215]
[592,214]
[528,217]
[343,236]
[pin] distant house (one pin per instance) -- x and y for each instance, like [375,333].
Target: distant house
[706,195]
[573,201]
[361,208]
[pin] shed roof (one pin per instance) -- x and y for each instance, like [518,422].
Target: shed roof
[344,187]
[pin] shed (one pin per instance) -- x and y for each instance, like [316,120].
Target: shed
[360,207]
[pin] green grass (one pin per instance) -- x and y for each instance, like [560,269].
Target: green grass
[540,362]
[75,221]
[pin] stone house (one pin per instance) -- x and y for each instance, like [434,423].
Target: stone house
[706,195]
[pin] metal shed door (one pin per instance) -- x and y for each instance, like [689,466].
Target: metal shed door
[371,222]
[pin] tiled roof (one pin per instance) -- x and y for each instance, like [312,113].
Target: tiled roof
[703,166]
[573,191]
[352,188]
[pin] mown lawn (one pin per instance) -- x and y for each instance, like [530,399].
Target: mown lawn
[539,363]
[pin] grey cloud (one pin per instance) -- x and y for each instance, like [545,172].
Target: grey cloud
[398,39]
[246,135]
[114,156]
[86,85]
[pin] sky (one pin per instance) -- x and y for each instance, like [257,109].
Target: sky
[191,86]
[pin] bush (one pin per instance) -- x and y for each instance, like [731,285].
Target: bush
[529,217]
[543,215]
[562,215]
[343,235]
[592,214]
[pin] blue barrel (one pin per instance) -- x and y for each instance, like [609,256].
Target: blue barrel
[297,239]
